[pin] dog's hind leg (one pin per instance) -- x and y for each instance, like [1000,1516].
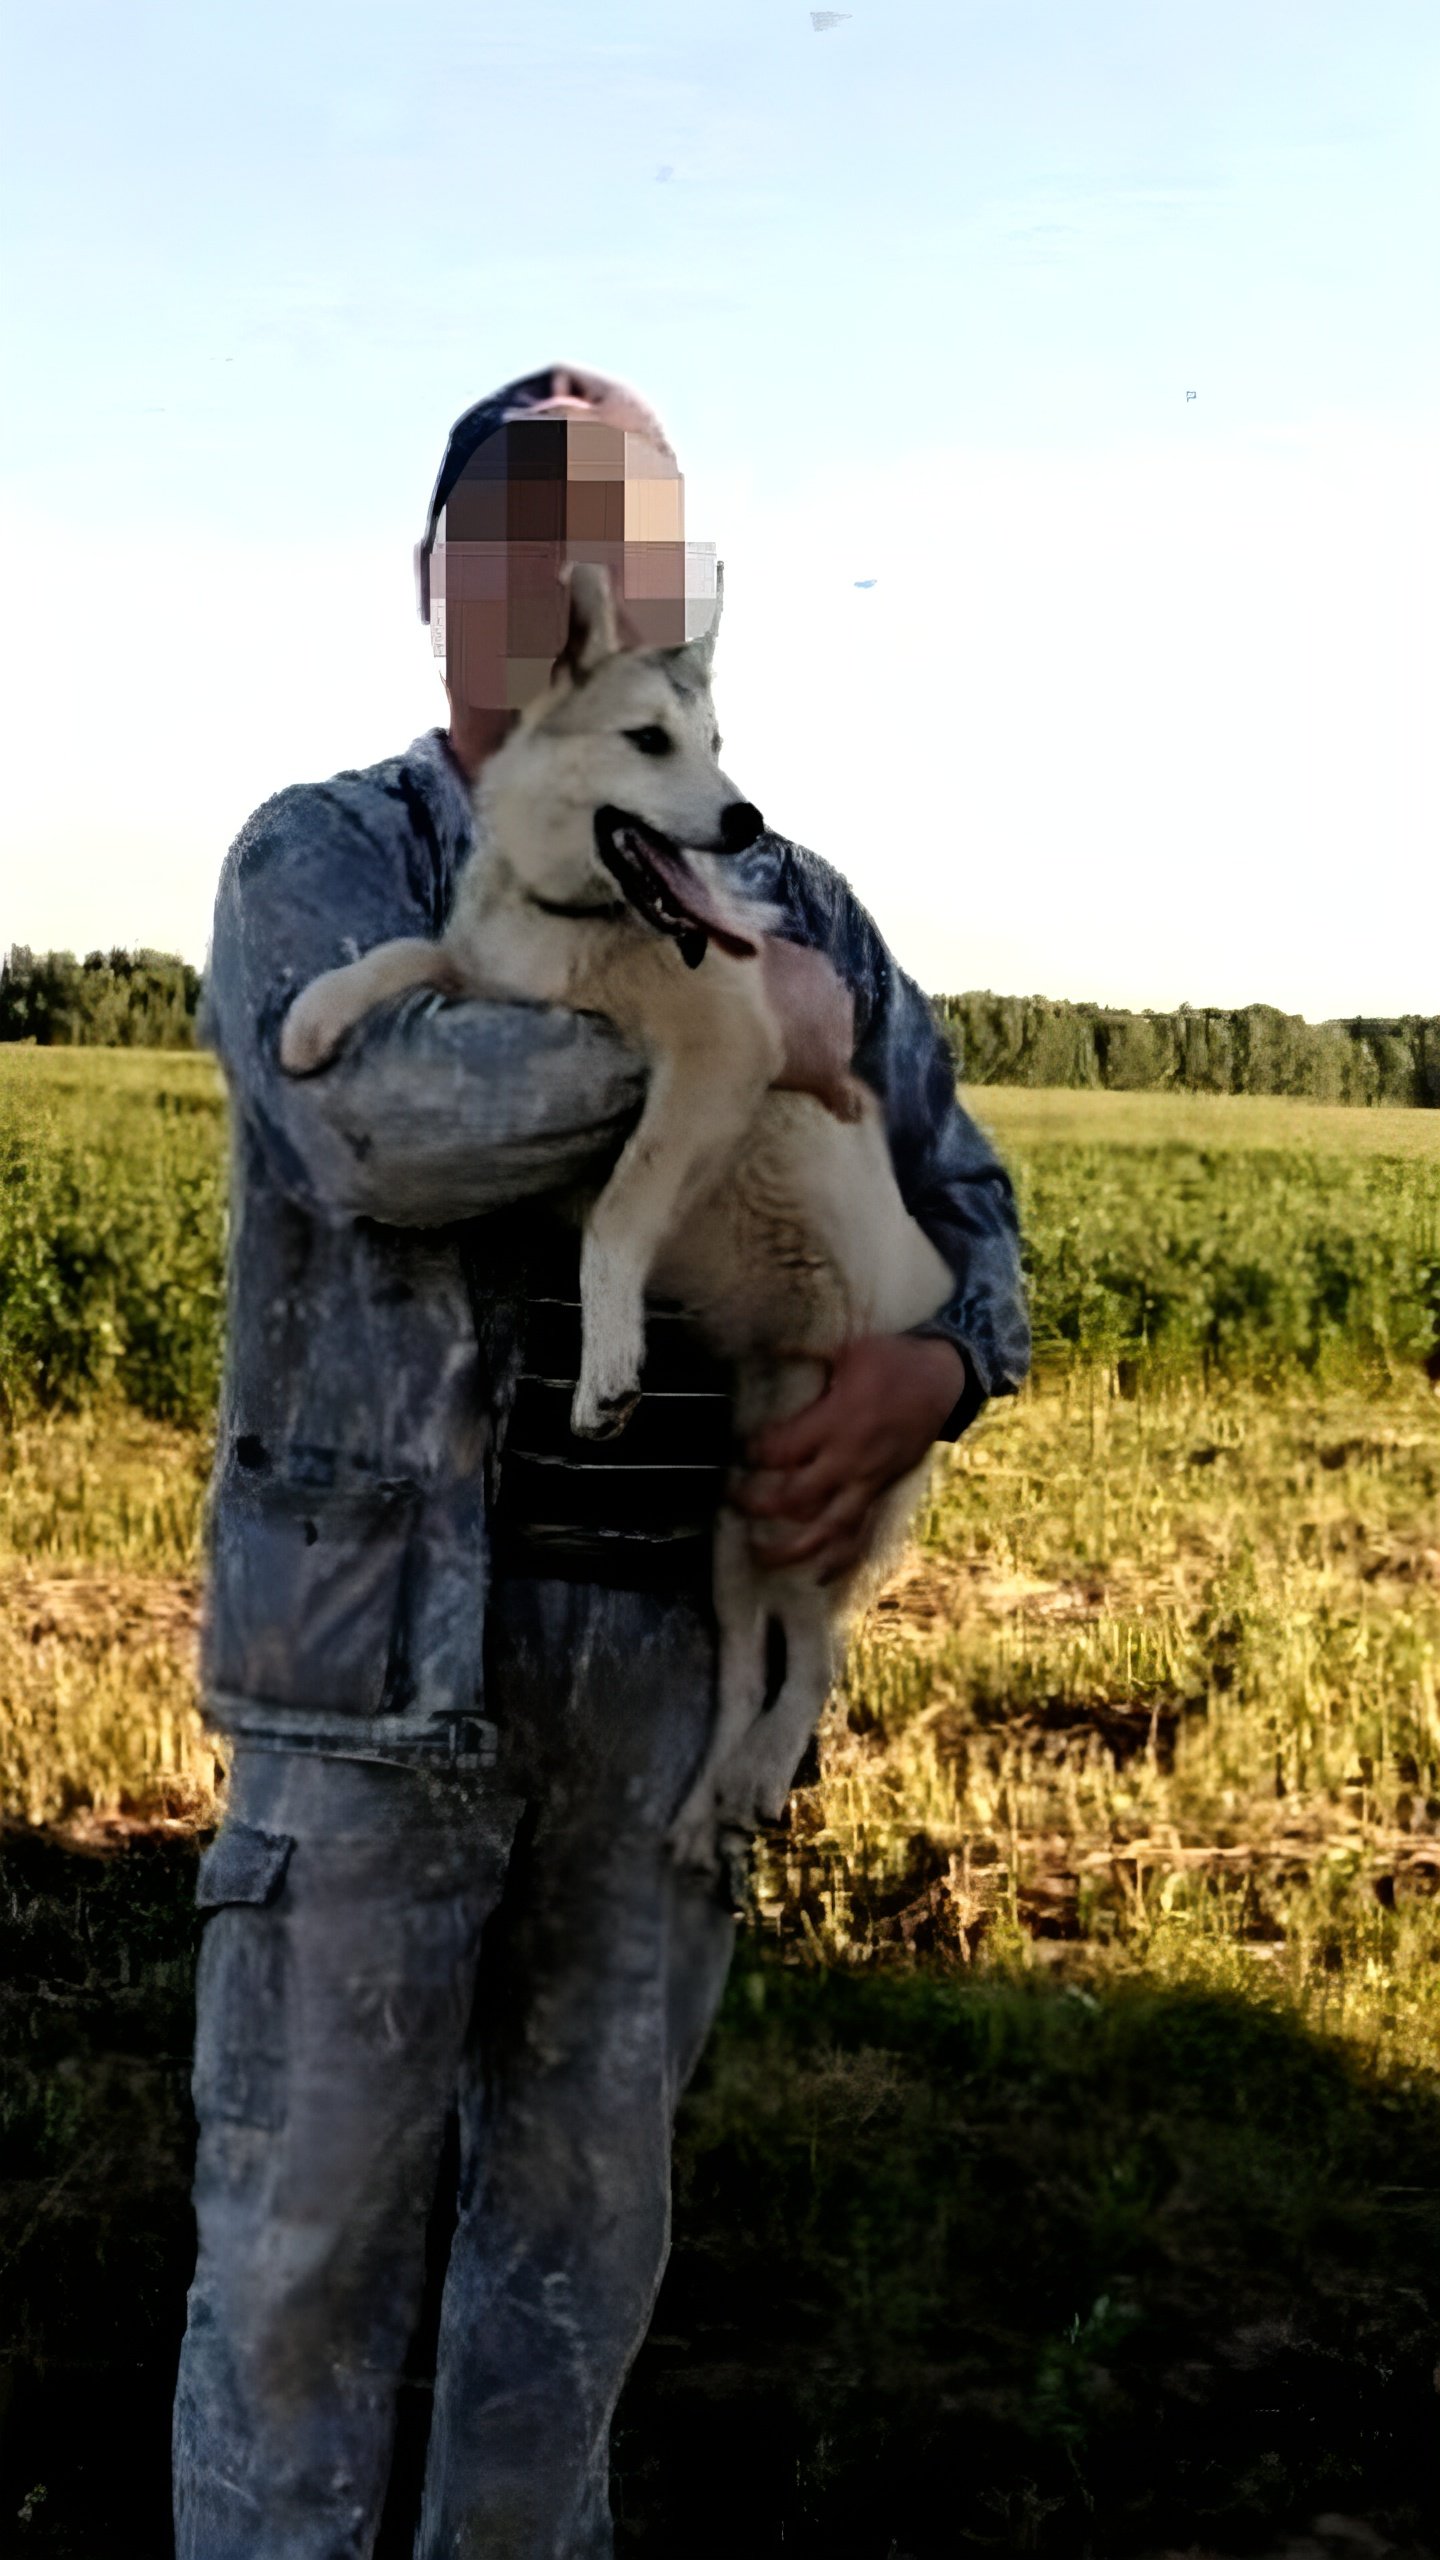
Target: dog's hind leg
[758,1773]
[740,1685]
[331,1005]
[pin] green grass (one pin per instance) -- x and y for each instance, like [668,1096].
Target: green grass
[1248,1237]
[990,2261]
[965,2259]
[112,1180]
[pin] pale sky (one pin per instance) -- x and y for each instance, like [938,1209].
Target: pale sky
[1141,705]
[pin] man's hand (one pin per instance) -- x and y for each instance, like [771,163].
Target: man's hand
[816,1012]
[826,1468]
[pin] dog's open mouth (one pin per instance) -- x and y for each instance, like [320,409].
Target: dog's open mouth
[661,885]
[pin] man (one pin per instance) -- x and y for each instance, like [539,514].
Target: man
[466,1662]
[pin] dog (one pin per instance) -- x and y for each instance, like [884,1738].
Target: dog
[604,825]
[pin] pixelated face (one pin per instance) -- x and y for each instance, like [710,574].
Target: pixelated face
[612,780]
[552,487]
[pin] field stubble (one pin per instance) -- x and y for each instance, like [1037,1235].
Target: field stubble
[1156,1689]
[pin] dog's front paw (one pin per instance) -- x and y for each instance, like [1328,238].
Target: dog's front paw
[608,1388]
[308,1037]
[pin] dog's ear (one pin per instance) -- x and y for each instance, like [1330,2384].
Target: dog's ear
[592,636]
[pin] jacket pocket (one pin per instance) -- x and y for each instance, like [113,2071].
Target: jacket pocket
[241,1996]
[242,1865]
[305,1594]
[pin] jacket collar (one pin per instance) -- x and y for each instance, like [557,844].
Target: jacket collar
[446,793]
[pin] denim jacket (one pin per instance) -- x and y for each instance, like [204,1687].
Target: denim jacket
[358,1424]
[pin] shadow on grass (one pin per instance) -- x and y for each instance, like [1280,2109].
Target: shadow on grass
[961,2262]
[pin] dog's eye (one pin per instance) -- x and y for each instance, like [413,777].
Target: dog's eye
[651,741]
[715,743]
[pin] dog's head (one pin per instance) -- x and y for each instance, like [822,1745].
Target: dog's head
[610,784]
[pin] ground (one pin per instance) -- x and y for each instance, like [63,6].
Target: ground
[1060,2178]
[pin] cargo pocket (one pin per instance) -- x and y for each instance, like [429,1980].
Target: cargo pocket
[240,1983]
[305,1595]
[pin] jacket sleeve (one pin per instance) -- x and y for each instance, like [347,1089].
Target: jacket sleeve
[432,1110]
[950,1177]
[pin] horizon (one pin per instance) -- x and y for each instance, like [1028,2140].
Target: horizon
[1060,397]
[936,995]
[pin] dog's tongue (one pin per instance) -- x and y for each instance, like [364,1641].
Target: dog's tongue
[687,891]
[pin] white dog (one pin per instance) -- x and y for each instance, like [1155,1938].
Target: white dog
[598,882]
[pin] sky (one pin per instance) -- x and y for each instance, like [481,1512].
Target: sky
[1091,688]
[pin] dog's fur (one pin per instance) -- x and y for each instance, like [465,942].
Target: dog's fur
[774,1218]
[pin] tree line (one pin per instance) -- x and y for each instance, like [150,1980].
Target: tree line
[149,999]
[1253,1048]
[108,1000]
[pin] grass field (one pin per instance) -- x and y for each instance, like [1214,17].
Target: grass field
[1229,1122]
[1065,2161]
[1161,1676]
[1159,1688]
[1212,1234]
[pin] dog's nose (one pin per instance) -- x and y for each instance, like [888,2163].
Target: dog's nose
[740,824]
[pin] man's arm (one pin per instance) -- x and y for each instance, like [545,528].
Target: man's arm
[951,1181]
[432,1111]
[950,1177]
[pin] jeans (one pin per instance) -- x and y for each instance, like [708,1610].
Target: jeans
[383,1943]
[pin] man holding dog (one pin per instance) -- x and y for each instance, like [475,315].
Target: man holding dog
[466,1662]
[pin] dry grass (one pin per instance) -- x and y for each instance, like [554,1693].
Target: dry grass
[99,1605]
[1019,1116]
[1158,1690]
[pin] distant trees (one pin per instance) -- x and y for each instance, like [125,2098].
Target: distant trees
[149,1000]
[110,999]
[1037,1040]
